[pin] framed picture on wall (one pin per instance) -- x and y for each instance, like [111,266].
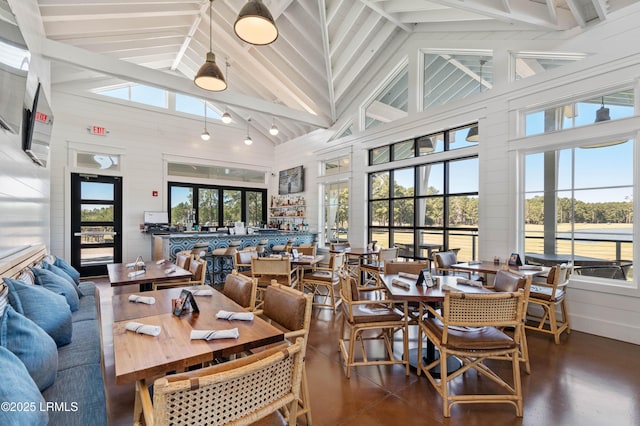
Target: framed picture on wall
[291,181]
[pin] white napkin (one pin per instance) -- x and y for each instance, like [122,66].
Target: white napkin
[472,283]
[142,299]
[214,334]
[243,316]
[201,292]
[400,283]
[135,273]
[138,327]
[447,287]
[408,275]
[530,268]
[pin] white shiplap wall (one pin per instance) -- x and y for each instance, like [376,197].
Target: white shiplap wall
[144,137]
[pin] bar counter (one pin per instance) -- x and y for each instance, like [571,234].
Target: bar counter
[165,246]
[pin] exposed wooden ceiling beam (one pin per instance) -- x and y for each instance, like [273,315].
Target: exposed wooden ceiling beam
[391,18]
[60,52]
[327,58]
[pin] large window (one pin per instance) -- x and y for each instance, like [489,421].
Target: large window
[452,75]
[428,207]
[334,185]
[611,106]
[216,206]
[449,140]
[578,207]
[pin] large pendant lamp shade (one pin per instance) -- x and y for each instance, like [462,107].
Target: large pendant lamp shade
[209,76]
[255,25]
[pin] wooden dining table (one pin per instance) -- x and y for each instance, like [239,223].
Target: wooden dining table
[491,268]
[303,262]
[140,356]
[428,295]
[359,253]
[153,272]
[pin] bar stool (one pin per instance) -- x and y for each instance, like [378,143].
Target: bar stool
[200,249]
[261,248]
[225,260]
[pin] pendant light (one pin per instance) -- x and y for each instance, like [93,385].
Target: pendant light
[255,25]
[248,140]
[274,129]
[205,135]
[473,136]
[226,117]
[209,76]
[602,114]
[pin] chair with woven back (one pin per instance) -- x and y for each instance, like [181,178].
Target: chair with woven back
[360,318]
[548,295]
[268,270]
[351,263]
[507,281]
[237,392]
[290,310]
[198,269]
[322,282]
[371,272]
[469,327]
[242,260]
[241,289]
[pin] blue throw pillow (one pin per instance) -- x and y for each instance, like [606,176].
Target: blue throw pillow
[35,348]
[18,388]
[70,270]
[58,285]
[47,309]
[60,272]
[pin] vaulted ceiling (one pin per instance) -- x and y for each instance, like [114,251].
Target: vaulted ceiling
[306,78]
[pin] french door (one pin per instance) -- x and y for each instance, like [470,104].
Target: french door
[96,222]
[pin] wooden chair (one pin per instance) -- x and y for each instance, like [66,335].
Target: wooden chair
[237,392]
[241,289]
[394,267]
[507,281]
[351,263]
[242,260]
[548,295]
[198,269]
[290,310]
[444,264]
[183,258]
[283,248]
[362,316]
[414,267]
[268,270]
[469,328]
[371,272]
[322,282]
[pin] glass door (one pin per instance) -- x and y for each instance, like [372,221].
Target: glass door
[96,222]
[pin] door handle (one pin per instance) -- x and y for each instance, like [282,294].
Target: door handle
[89,233]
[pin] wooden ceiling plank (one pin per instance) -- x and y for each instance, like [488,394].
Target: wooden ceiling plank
[327,58]
[391,18]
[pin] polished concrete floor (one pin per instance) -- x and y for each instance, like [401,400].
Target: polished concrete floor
[585,380]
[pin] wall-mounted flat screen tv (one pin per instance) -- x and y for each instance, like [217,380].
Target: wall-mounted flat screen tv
[37,125]
[291,181]
[14,68]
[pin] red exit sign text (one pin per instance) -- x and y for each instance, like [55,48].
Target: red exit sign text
[97,130]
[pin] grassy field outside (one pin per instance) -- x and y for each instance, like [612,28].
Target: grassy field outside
[597,249]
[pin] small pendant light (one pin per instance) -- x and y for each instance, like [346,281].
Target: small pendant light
[248,140]
[205,135]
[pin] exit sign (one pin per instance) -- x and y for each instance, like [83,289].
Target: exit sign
[41,117]
[97,130]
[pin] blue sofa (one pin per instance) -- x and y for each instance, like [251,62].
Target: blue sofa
[79,379]
[77,395]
